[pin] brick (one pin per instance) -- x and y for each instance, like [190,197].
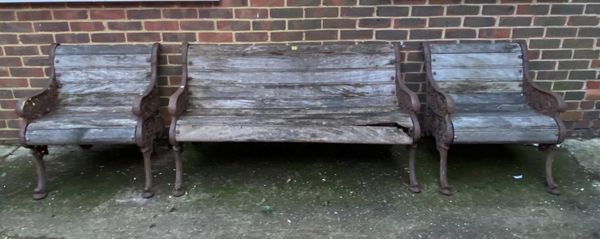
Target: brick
[251,36]
[6,39]
[592,9]
[479,22]
[542,65]
[125,26]
[583,75]
[286,36]
[574,95]
[410,23]
[515,21]
[268,25]
[303,2]
[251,13]
[107,14]
[427,11]
[178,37]
[7,16]
[304,24]
[143,37]
[233,25]
[145,14]
[462,10]
[215,37]
[544,43]
[15,27]
[233,3]
[13,82]
[52,27]
[73,38]
[374,23]
[161,25]
[552,75]
[586,105]
[4,72]
[26,72]
[70,14]
[356,34]
[36,61]
[561,32]
[86,26]
[321,12]
[592,85]
[357,11]
[339,2]
[108,37]
[35,39]
[389,11]
[374,2]
[5,94]
[197,25]
[460,33]
[586,54]
[565,9]
[7,134]
[578,43]
[527,32]
[425,34]
[34,15]
[267,3]
[10,61]
[498,10]
[573,64]
[391,34]
[549,21]
[589,32]
[583,21]
[9,104]
[557,54]
[567,85]
[494,33]
[21,50]
[533,9]
[286,13]
[321,35]
[339,23]
[444,22]
[177,13]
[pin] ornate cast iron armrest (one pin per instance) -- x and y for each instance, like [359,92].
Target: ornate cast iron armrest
[177,102]
[407,99]
[545,102]
[147,104]
[40,103]
[439,102]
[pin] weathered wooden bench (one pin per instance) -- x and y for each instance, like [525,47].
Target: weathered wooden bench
[96,94]
[480,93]
[306,93]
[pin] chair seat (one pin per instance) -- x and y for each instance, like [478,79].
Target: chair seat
[371,128]
[504,127]
[61,129]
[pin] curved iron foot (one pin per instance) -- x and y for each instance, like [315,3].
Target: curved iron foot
[178,191]
[445,188]
[414,184]
[147,152]
[38,153]
[551,186]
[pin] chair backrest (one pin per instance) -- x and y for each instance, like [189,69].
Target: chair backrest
[478,76]
[101,78]
[280,79]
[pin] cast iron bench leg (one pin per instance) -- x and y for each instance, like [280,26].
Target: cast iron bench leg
[551,186]
[147,152]
[414,184]
[38,152]
[445,188]
[178,191]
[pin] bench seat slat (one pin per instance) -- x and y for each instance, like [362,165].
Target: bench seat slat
[285,103]
[80,136]
[474,86]
[99,75]
[92,61]
[97,99]
[90,88]
[302,111]
[478,73]
[317,134]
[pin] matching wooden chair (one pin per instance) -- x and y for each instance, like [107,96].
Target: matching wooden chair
[480,93]
[305,93]
[96,94]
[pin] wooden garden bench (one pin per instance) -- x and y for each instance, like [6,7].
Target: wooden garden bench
[306,93]
[480,93]
[97,94]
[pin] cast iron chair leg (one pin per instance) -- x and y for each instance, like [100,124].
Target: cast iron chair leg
[38,152]
[445,188]
[178,191]
[551,186]
[414,184]
[147,152]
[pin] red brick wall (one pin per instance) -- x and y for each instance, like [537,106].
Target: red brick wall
[564,37]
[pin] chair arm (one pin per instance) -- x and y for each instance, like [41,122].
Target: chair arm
[407,99]
[178,101]
[542,101]
[39,104]
[439,102]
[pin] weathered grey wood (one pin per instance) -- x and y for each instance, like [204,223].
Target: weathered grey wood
[309,111]
[324,134]
[97,99]
[335,102]
[475,86]
[505,47]
[492,107]
[102,49]
[305,91]
[79,136]
[85,88]
[89,121]
[289,63]
[91,110]
[508,60]
[278,49]
[105,75]
[488,98]
[478,73]
[305,77]
[94,61]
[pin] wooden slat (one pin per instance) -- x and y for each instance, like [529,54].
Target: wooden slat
[463,60]
[309,111]
[131,87]
[488,98]
[97,99]
[100,75]
[478,73]
[309,91]
[103,49]
[325,134]
[92,110]
[492,107]
[475,48]
[333,102]
[289,63]
[75,122]
[94,61]
[80,136]
[388,118]
[279,49]
[473,86]
[312,77]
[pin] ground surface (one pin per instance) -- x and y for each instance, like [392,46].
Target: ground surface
[303,191]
